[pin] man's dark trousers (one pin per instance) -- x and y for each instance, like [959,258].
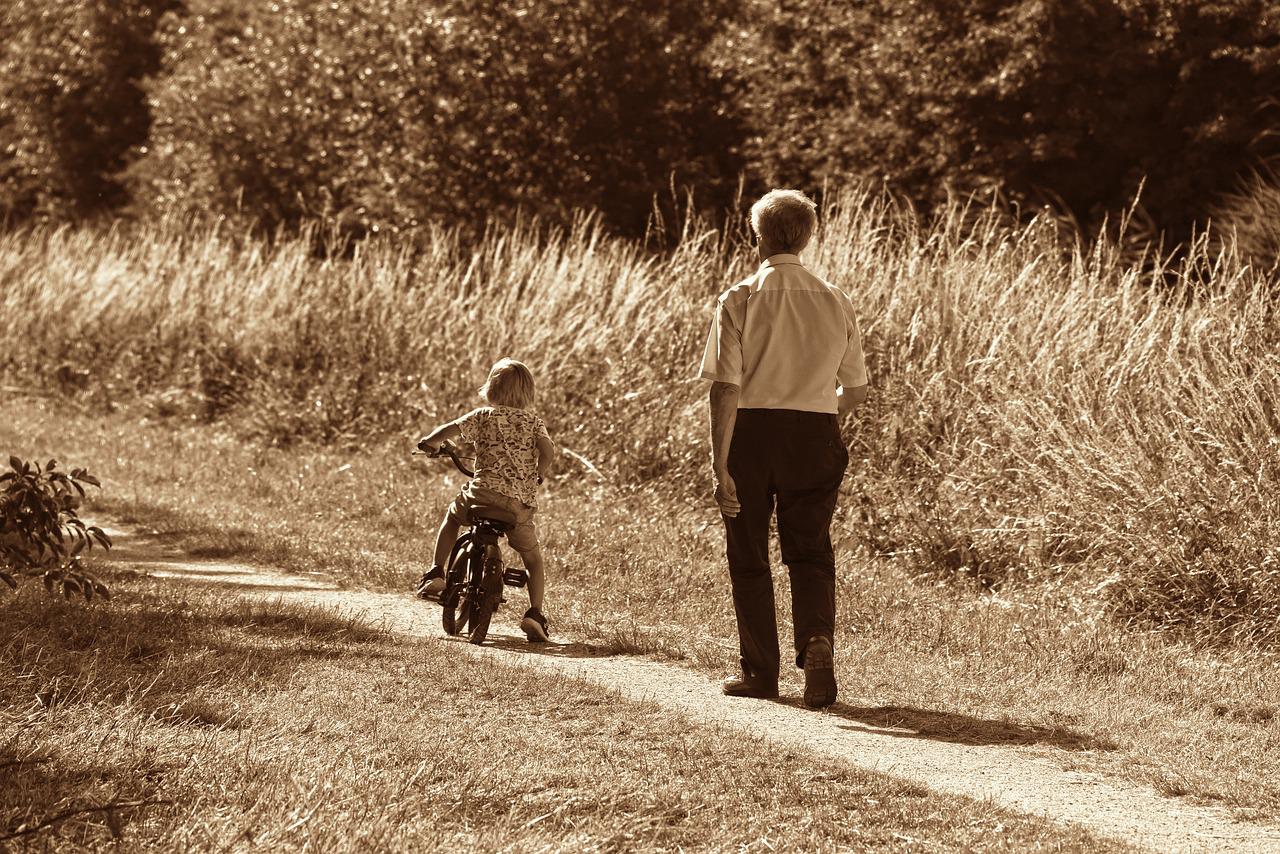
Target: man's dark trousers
[795,460]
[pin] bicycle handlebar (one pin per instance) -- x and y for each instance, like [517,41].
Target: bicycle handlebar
[447,450]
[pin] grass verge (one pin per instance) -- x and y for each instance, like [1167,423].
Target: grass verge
[189,721]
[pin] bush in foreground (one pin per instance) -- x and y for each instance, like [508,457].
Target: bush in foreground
[41,533]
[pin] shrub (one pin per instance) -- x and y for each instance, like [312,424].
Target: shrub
[387,115]
[40,531]
[1067,101]
[71,110]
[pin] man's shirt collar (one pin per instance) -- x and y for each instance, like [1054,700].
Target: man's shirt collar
[776,260]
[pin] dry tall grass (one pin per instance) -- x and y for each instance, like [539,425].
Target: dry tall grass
[1040,409]
[1248,221]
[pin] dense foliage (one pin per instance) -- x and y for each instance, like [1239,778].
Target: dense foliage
[72,112]
[389,114]
[1071,102]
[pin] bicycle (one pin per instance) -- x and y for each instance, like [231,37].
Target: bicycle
[475,575]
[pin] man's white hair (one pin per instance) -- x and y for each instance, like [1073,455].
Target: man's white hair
[785,219]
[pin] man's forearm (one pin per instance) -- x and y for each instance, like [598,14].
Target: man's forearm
[724,415]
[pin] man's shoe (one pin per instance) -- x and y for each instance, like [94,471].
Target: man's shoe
[746,686]
[819,673]
[535,626]
[431,585]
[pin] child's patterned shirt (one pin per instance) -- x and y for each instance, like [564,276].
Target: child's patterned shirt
[506,445]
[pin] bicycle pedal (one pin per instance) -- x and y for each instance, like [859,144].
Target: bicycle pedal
[513,577]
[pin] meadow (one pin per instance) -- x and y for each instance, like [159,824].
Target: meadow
[1043,410]
[1059,527]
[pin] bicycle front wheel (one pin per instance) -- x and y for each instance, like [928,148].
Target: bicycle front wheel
[459,600]
[490,595]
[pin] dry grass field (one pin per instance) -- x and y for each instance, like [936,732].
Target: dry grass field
[1061,514]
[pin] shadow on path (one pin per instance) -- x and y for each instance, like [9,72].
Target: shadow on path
[219,582]
[910,722]
[551,649]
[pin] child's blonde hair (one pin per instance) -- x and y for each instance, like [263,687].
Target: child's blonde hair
[510,383]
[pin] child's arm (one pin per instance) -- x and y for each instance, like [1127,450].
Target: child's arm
[437,437]
[546,453]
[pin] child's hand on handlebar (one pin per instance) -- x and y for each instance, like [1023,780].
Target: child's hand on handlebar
[427,446]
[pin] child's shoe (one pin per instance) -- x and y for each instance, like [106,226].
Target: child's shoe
[431,585]
[535,626]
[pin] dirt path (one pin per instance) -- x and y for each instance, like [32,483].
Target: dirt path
[1012,776]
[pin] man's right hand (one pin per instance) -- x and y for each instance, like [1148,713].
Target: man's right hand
[727,494]
[426,447]
[849,399]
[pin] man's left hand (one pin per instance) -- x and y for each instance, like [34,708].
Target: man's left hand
[727,495]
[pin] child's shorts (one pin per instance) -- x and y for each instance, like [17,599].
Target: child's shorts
[523,537]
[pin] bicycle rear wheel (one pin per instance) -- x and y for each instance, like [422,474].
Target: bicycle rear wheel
[490,595]
[459,599]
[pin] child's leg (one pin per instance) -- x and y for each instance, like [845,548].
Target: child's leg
[537,576]
[445,539]
[432,583]
[524,539]
[534,623]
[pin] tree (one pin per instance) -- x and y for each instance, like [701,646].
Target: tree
[71,110]
[389,114]
[1072,102]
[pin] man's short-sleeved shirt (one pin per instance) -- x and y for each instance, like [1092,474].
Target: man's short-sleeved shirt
[786,338]
[506,442]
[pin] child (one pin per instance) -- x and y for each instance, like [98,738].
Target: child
[513,454]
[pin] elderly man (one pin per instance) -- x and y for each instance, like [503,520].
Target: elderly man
[784,357]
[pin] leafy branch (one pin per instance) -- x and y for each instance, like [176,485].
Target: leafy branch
[41,534]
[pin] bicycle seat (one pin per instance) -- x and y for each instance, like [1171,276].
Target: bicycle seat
[504,519]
